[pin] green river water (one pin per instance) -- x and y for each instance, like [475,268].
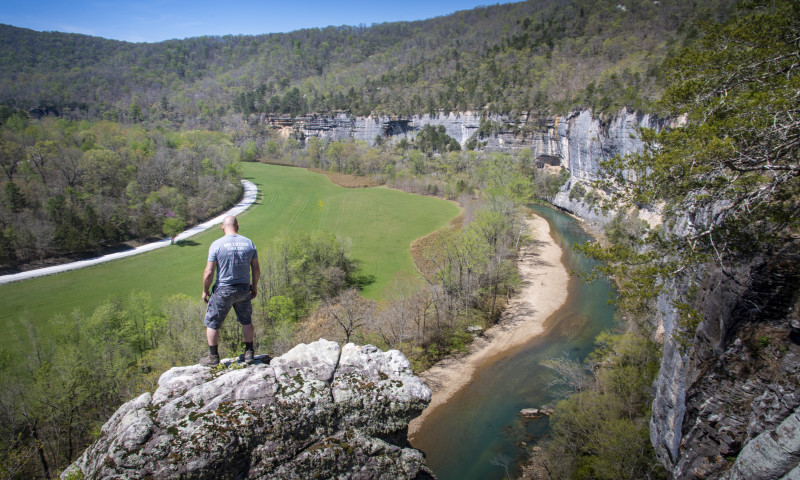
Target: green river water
[482,420]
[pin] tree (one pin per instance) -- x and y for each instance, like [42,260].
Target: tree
[71,165]
[40,155]
[13,197]
[502,177]
[434,139]
[601,430]
[135,112]
[336,155]
[397,318]
[732,171]
[280,308]
[173,226]
[272,149]
[314,151]
[547,184]
[349,311]
[568,377]
[281,323]
[501,460]
[11,153]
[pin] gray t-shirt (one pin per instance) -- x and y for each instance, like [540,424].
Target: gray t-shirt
[233,254]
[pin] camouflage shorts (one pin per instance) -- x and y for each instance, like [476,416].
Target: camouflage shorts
[221,301]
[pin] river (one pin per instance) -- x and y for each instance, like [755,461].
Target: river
[481,422]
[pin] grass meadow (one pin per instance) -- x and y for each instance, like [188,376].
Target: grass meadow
[378,224]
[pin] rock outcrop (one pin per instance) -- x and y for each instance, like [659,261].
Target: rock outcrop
[727,400]
[319,411]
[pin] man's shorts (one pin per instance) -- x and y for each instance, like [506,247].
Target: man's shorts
[222,299]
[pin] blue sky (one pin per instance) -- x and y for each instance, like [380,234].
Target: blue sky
[157,20]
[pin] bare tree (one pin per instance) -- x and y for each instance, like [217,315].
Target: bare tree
[395,320]
[350,311]
[567,376]
[40,156]
[69,163]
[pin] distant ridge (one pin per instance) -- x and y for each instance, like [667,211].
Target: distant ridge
[540,56]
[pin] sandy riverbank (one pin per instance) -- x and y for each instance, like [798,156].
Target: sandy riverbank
[543,292]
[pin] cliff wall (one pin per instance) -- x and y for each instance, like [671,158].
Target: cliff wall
[727,395]
[578,141]
[319,411]
[726,400]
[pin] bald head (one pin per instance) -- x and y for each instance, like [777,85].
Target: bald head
[230,225]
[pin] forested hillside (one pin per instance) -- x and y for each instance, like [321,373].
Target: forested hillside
[71,187]
[541,55]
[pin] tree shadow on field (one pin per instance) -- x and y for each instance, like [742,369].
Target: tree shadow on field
[362,280]
[186,243]
[356,278]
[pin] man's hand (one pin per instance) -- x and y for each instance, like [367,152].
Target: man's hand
[205,296]
[253,290]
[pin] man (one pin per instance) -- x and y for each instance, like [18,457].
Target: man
[234,257]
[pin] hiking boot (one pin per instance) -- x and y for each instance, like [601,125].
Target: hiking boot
[209,360]
[248,356]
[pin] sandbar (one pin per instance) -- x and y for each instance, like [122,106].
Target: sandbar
[543,291]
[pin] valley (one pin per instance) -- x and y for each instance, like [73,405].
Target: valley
[378,224]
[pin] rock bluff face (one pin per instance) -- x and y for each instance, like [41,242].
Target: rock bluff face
[578,141]
[319,411]
[728,405]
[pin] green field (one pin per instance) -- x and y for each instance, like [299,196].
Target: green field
[379,224]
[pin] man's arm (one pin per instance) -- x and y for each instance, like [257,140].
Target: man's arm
[208,277]
[256,269]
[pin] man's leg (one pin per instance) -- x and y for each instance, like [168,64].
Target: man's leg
[212,358]
[244,313]
[247,333]
[218,308]
[249,352]
[213,337]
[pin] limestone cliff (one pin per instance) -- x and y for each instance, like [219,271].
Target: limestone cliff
[726,404]
[578,141]
[319,411]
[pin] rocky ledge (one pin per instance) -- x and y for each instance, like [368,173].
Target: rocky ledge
[319,411]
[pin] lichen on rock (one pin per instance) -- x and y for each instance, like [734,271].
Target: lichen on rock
[319,411]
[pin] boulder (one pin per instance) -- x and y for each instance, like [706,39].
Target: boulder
[536,412]
[319,411]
